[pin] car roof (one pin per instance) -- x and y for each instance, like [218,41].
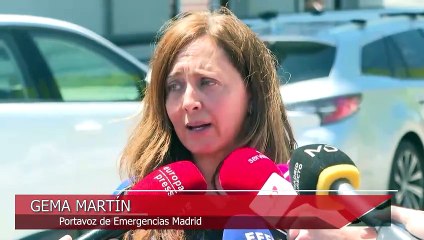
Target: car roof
[325,27]
[14,20]
[329,16]
[348,36]
[344,15]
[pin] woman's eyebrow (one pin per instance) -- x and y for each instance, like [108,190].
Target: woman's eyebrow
[173,75]
[203,68]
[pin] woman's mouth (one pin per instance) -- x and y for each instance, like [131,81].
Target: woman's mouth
[197,127]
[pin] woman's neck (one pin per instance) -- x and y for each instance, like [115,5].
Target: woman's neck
[208,165]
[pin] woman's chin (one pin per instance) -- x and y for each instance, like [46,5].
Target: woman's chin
[202,150]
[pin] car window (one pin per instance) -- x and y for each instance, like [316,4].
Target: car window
[396,61]
[83,73]
[411,47]
[303,60]
[374,59]
[12,85]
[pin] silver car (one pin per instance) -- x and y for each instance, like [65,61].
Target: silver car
[362,73]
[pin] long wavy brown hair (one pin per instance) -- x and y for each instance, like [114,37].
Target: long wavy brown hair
[154,142]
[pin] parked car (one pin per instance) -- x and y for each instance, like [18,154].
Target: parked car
[68,98]
[362,73]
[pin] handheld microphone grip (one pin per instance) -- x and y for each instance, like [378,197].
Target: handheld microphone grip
[167,180]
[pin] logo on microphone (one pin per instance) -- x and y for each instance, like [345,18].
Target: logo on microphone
[311,152]
[296,175]
[169,181]
[257,157]
[258,236]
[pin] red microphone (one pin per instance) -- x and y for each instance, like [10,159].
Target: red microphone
[171,179]
[247,169]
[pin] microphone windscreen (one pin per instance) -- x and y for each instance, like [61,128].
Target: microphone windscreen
[318,166]
[170,179]
[246,169]
[247,234]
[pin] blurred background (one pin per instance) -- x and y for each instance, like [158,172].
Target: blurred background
[133,24]
[73,73]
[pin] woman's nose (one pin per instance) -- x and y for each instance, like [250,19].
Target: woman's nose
[191,100]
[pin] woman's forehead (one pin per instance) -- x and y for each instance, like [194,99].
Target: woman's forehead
[202,53]
[202,45]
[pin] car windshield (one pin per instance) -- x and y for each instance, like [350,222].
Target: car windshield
[299,61]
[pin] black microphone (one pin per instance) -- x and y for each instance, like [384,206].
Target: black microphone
[318,168]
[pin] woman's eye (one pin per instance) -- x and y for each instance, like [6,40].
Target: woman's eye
[173,87]
[207,82]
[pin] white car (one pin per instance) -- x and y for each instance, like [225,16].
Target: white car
[68,100]
[362,73]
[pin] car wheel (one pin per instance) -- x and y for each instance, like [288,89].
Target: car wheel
[407,176]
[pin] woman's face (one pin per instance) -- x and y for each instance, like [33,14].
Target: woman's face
[206,99]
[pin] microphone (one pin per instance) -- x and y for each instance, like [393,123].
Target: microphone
[248,170]
[258,173]
[260,233]
[170,179]
[247,234]
[323,167]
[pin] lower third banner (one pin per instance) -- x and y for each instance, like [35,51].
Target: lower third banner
[192,211]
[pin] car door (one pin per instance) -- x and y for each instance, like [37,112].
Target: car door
[63,131]
[408,163]
[85,128]
[410,45]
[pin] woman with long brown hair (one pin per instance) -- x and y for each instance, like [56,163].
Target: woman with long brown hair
[213,88]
